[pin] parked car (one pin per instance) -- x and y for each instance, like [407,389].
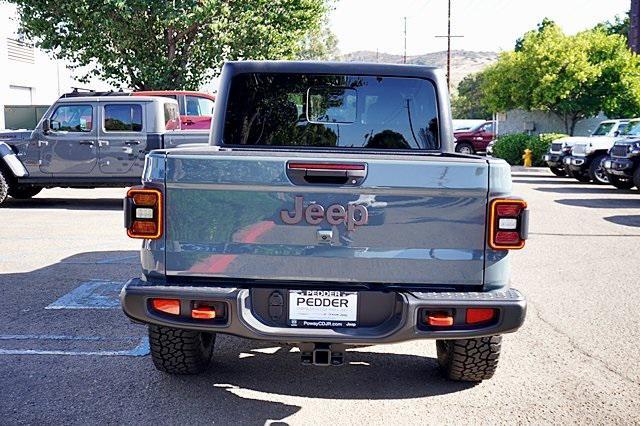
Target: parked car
[196,108]
[89,141]
[267,233]
[561,148]
[476,139]
[623,165]
[585,163]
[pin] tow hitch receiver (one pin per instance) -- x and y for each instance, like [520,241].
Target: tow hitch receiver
[322,354]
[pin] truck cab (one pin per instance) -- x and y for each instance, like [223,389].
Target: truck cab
[89,141]
[329,211]
[587,155]
[196,108]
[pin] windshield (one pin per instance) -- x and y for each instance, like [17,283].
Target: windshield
[603,129]
[325,111]
[632,129]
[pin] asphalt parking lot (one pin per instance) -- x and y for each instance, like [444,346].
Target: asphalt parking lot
[68,354]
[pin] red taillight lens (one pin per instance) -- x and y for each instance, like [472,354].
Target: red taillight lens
[478,315]
[507,224]
[143,213]
[168,306]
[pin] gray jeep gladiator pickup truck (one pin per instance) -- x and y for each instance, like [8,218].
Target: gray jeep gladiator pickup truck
[89,141]
[329,211]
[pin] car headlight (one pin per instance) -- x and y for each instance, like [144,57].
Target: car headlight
[635,148]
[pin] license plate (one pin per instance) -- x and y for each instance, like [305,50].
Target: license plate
[323,308]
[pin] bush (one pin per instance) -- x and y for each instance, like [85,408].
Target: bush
[511,147]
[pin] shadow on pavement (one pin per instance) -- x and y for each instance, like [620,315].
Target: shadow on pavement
[602,203]
[631,220]
[245,383]
[65,203]
[552,181]
[586,190]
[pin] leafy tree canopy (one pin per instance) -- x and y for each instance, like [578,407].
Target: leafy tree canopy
[468,102]
[572,76]
[319,44]
[159,44]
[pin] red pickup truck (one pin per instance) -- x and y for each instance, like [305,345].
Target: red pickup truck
[475,139]
[196,108]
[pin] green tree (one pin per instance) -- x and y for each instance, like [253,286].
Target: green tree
[319,44]
[574,77]
[469,101]
[618,26]
[159,44]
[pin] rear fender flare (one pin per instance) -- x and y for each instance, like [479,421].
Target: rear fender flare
[11,162]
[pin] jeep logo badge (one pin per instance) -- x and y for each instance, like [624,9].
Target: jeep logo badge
[314,214]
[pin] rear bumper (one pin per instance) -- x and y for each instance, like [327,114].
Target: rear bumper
[403,323]
[620,167]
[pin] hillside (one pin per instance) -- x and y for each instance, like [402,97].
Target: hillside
[463,62]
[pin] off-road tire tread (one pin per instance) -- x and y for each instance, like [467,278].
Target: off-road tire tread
[178,351]
[4,187]
[469,360]
[592,170]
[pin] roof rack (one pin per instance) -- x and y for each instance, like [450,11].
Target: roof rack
[78,91]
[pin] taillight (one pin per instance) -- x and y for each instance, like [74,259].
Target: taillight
[508,224]
[143,213]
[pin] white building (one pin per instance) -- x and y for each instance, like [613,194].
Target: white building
[29,76]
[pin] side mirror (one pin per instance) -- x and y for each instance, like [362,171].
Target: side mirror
[616,133]
[46,127]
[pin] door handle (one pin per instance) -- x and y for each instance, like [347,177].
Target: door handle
[90,143]
[103,143]
[326,173]
[132,143]
[42,143]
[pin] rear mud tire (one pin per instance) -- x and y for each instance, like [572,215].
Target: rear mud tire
[178,351]
[24,192]
[620,183]
[469,360]
[558,171]
[4,188]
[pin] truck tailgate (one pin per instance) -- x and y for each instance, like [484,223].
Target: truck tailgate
[227,214]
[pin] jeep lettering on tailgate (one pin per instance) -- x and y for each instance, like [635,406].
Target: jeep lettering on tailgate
[335,214]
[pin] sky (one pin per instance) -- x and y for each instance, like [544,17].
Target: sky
[487,25]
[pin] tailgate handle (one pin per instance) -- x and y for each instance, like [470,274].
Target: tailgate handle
[301,173]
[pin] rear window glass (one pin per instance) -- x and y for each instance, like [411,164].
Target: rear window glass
[123,118]
[331,111]
[171,117]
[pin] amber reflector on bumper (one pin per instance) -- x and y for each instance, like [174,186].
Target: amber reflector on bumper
[168,306]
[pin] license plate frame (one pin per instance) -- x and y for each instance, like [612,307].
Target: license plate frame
[323,309]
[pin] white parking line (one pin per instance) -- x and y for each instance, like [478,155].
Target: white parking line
[141,349]
[93,294]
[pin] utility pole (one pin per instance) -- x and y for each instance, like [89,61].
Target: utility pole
[404,60]
[449,36]
[634,26]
